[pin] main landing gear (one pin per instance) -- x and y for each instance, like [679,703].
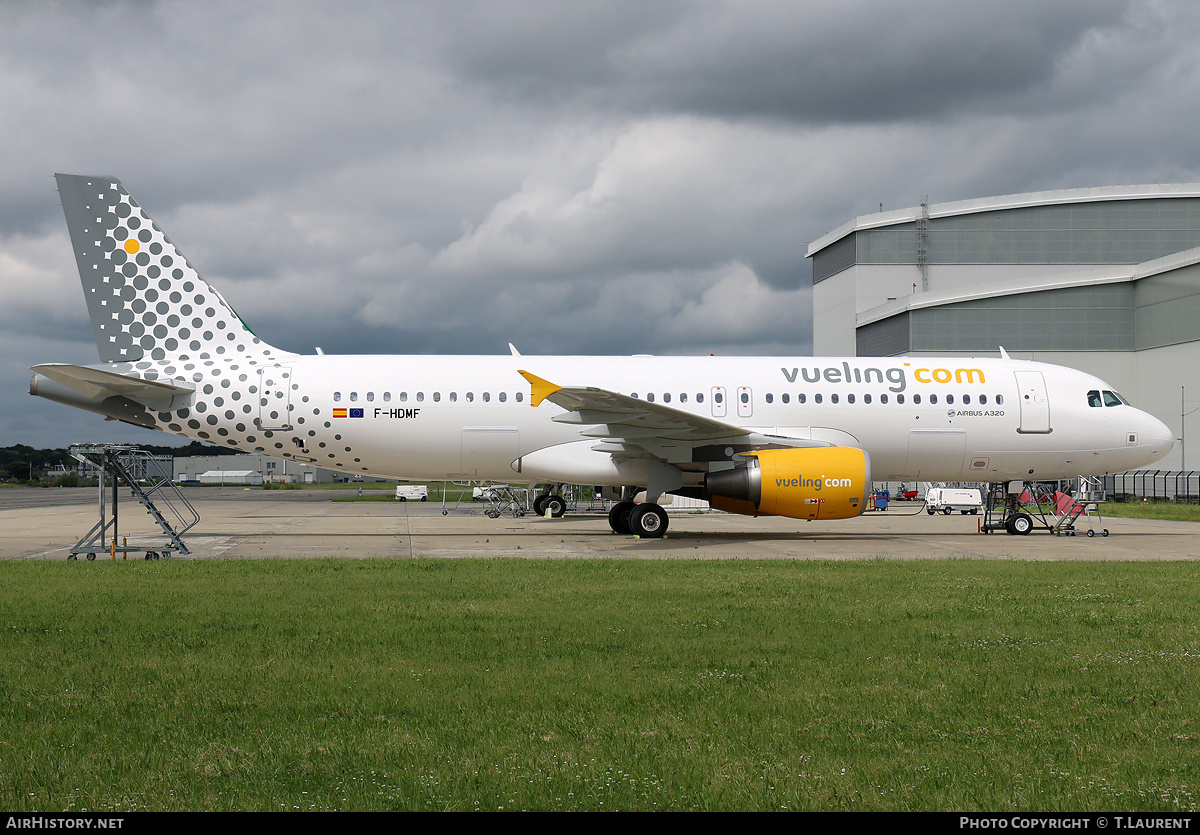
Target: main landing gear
[552,502]
[646,520]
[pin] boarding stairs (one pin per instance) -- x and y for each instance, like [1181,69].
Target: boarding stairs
[1088,495]
[149,478]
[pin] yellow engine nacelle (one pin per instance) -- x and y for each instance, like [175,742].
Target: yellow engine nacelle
[816,483]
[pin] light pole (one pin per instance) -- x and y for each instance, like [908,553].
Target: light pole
[1183,413]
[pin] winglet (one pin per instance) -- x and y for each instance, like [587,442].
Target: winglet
[541,388]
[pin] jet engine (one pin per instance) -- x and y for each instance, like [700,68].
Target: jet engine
[811,483]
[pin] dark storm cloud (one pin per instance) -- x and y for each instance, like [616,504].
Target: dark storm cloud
[801,62]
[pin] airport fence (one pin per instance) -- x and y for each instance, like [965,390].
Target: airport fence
[1169,485]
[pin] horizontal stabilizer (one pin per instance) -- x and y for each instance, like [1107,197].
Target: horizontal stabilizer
[98,384]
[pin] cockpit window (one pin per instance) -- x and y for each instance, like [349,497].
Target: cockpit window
[1111,398]
[1094,399]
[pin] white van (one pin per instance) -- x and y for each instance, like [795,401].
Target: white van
[950,499]
[404,492]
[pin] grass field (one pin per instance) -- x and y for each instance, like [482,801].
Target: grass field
[1174,511]
[639,685]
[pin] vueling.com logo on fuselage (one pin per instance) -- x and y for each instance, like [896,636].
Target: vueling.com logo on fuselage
[814,483]
[897,378]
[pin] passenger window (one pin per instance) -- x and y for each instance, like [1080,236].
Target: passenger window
[917,399]
[933,399]
[683,397]
[899,398]
[453,397]
[667,397]
[650,398]
[699,398]
[883,398]
[387,397]
[832,399]
[503,396]
[353,396]
[983,400]
[437,397]
[487,397]
[470,397]
[404,397]
[999,399]
[949,399]
[849,398]
[966,400]
[745,397]
[801,398]
[866,398]
[816,398]
[370,397]
[770,398]
[337,397]
[520,397]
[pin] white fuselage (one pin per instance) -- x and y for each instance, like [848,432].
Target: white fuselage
[470,417]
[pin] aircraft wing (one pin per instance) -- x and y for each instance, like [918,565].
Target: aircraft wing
[631,427]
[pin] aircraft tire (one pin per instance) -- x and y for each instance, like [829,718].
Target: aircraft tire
[1019,525]
[618,517]
[557,506]
[539,505]
[649,521]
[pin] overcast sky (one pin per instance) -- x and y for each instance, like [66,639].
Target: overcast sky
[573,177]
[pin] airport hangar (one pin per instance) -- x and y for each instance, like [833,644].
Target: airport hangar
[1106,280]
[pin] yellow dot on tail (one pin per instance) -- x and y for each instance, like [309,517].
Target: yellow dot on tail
[132,246]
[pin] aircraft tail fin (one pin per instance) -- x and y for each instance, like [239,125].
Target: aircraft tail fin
[145,300]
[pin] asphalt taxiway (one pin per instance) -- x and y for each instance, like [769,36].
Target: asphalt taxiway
[256,524]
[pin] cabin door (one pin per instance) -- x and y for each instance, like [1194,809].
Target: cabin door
[1035,404]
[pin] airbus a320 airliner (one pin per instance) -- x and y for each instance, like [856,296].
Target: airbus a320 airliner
[800,437]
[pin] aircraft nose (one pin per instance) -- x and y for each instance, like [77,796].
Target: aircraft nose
[1156,437]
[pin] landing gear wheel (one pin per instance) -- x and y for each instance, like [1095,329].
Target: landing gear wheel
[1019,525]
[618,517]
[539,505]
[648,521]
[557,506]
